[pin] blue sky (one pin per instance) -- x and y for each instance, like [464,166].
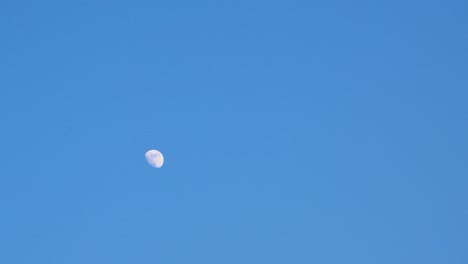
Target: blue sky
[293,132]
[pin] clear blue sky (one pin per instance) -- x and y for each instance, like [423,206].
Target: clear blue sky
[293,132]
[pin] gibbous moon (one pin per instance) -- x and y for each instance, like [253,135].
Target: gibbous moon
[154,158]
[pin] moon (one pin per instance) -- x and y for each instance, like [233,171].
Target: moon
[154,158]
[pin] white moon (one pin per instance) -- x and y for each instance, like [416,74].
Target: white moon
[154,158]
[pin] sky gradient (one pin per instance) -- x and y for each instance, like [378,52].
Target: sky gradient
[293,132]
